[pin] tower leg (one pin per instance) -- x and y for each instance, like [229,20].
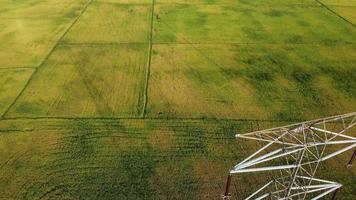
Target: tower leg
[226,195]
[336,194]
[352,159]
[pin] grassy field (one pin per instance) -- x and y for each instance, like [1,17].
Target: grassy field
[141,99]
[29,29]
[252,81]
[343,8]
[130,159]
[11,81]
[112,23]
[75,83]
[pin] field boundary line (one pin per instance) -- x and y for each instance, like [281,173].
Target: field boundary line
[255,44]
[101,44]
[14,68]
[93,44]
[152,118]
[46,58]
[149,61]
[335,13]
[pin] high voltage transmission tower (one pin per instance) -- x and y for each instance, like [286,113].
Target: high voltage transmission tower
[294,153]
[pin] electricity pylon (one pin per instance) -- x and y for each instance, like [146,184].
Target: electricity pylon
[295,153]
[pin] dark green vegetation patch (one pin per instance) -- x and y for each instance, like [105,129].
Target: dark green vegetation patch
[131,159]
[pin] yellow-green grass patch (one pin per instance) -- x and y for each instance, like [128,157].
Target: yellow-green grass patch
[344,8]
[239,2]
[41,9]
[346,12]
[174,88]
[26,42]
[195,2]
[12,82]
[111,23]
[251,81]
[339,2]
[126,1]
[86,81]
[183,23]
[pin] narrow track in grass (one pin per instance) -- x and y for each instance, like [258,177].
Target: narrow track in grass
[46,58]
[149,61]
[94,44]
[151,118]
[204,43]
[335,13]
[17,68]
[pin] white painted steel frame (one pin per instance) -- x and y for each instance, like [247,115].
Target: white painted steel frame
[301,147]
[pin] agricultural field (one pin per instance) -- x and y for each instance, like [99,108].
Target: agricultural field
[141,99]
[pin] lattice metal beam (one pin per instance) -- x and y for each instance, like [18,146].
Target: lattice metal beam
[298,149]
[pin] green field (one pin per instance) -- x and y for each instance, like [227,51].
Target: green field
[141,99]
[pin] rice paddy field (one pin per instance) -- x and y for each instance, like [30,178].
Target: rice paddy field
[141,99]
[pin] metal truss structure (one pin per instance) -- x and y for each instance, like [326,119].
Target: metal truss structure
[294,153]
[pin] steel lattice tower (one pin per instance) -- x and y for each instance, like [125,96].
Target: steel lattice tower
[298,150]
